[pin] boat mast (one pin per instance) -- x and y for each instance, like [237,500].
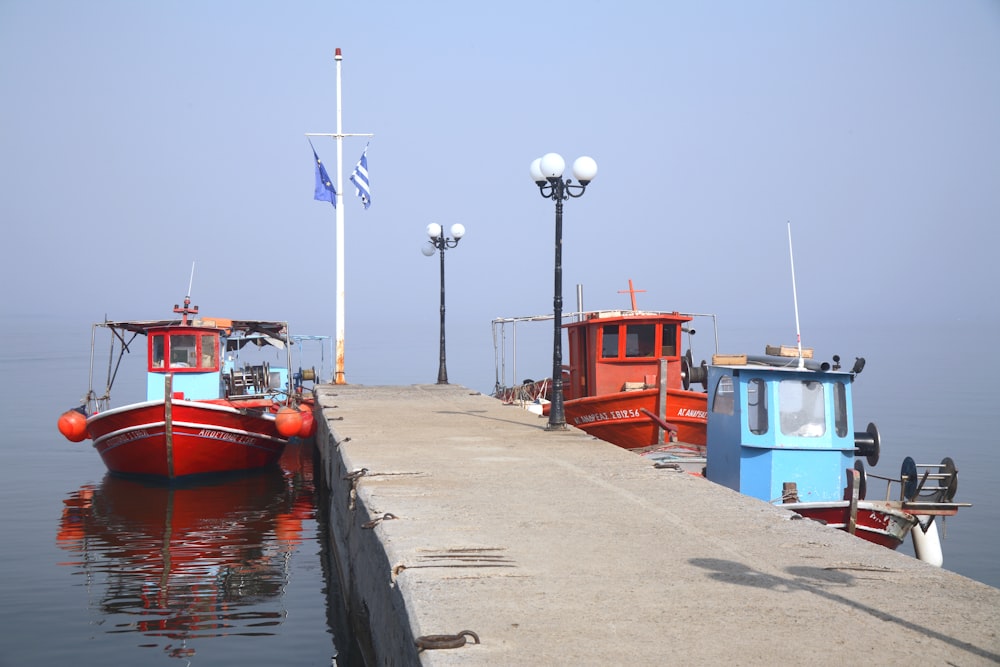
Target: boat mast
[795,298]
[338,375]
[191,281]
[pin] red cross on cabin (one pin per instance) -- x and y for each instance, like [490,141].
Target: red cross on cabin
[631,291]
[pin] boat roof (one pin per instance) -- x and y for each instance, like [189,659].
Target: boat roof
[633,314]
[586,316]
[246,328]
[778,364]
[783,368]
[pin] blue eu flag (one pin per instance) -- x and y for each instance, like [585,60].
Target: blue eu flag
[324,186]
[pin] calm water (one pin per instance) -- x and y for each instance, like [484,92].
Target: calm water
[102,571]
[99,570]
[931,406]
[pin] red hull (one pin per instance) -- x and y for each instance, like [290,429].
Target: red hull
[618,418]
[205,437]
[880,523]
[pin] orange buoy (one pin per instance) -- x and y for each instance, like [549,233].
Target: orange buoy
[308,429]
[288,421]
[73,425]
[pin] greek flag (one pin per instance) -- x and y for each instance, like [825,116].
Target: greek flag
[324,186]
[360,180]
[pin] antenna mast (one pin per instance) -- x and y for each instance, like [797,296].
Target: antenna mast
[191,281]
[187,309]
[795,298]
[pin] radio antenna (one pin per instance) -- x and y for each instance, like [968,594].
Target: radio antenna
[795,298]
[191,282]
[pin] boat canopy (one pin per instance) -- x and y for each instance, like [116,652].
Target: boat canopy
[237,332]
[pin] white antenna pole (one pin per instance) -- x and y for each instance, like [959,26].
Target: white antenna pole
[795,298]
[338,374]
[191,282]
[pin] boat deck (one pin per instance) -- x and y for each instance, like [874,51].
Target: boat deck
[453,512]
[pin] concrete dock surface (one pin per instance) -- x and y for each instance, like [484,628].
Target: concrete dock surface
[452,512]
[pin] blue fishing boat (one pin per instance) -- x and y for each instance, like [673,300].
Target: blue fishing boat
[780,429]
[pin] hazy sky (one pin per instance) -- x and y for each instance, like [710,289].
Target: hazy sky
[139,137]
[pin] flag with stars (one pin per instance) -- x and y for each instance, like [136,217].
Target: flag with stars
[324,186]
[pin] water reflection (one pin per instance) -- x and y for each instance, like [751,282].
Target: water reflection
[178,563]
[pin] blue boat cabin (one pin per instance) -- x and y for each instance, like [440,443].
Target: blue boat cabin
[768,426]
[202,360]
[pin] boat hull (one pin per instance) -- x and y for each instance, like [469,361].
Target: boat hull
[875,522]
[182,438]
[621,418]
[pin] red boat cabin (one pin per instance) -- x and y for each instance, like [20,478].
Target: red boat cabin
[611,351]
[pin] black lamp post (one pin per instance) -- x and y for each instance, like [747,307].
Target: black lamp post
[440,242]
[547,172]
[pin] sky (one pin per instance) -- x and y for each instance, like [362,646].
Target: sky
[139,139]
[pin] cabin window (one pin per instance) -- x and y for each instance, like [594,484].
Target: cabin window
[640,340]
[722,402]
[668,346]
[757,406]
[840,409]
[156,351]
[183,351]
[801,408]
[208,352]
[609,341]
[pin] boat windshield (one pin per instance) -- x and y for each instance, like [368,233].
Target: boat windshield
[757,406]
[722,402]
[840,409]
[609,341]
[640,340]
[801,408]
[197,351]
[668,346]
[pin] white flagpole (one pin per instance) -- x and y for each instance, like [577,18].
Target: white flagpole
[338,377]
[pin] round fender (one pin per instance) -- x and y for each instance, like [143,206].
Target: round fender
[288,421]
[73,425]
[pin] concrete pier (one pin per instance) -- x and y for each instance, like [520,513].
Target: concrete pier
[453,512]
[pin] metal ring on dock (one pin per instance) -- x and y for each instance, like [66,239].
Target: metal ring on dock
[374,522]
[431,642]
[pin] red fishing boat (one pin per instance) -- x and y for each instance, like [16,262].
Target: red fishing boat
[203,413]
[627,381]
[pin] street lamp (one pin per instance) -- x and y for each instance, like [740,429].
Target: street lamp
[439,242]
[547,172]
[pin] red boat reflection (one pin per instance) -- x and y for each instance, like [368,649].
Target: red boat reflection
[186,562]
